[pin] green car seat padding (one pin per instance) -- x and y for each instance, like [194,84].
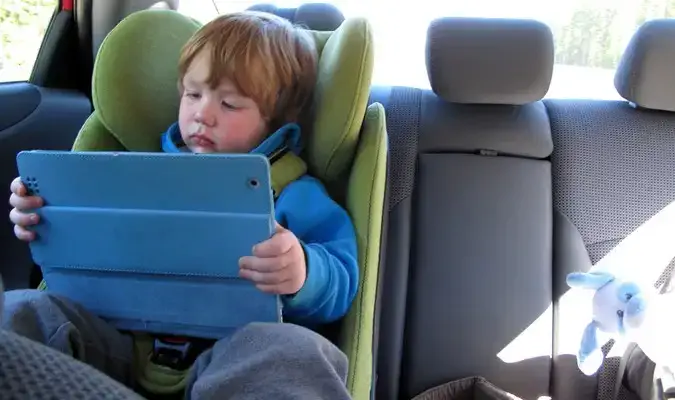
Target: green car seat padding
[135,77]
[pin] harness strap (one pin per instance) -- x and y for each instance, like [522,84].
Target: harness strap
[285,168]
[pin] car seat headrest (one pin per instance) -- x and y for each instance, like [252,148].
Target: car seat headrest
[314,16]
[135,77]
[645,75]
[135,94]
[489,61]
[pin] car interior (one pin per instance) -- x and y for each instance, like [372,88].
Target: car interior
[494,193]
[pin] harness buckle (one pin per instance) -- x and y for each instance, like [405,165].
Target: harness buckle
[176,352]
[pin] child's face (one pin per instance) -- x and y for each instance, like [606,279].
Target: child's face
[217,120]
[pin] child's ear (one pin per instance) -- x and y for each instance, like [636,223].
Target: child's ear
[590,357]
[589,280]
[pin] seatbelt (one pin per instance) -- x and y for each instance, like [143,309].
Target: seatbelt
[286,167]
[663,283]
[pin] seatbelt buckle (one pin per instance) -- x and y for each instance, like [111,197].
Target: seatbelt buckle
[174,352]
[665,384]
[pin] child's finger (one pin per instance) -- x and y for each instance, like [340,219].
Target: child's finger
[265,278]
[23,219]
[25,202]
[275,246]
[17,187]
[23,233]
[259,264]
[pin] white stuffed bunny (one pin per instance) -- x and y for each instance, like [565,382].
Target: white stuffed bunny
[619,310]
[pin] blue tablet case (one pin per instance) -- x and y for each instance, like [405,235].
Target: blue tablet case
[151,241]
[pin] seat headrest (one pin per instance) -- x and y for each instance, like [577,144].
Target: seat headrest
[646,73]
[134,85]
[489,61]
[314,16]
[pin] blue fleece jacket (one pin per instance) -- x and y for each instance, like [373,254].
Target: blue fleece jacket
[323,228]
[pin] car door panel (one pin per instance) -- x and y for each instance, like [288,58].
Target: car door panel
[31,117]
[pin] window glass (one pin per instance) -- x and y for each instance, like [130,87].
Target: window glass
[23,24]
[590,35]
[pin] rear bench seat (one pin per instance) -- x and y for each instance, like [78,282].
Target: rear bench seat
[613,169]
[468,259]
[315,16]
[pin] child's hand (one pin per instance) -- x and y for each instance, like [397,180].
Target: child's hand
[278,264]
[22,202]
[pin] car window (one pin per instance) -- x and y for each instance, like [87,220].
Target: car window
[23,24]
[590,35]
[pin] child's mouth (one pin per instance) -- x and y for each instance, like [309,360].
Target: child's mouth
[202,141]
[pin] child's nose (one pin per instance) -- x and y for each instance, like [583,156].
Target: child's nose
[206,114]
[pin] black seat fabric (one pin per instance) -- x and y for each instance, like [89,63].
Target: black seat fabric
[315,16]
[469,250]
[613,169]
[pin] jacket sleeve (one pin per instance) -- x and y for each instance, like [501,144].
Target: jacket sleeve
[327,235]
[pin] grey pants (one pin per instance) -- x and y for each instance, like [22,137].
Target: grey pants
[260,361]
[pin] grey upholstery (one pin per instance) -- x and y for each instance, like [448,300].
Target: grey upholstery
[492,205]
[645,73]
[315,16]
[612,172]
[469,251]
[489,61]
[510,130]
[613,169]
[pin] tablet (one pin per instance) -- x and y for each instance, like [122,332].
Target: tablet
[151,241]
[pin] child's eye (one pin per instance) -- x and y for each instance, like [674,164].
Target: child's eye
[192,95]
[228,105]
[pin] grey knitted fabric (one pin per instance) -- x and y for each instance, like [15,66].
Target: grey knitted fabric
[403,116]
[29,370]
[613,169]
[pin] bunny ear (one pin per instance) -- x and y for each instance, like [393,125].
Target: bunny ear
[590,357]
[589,280]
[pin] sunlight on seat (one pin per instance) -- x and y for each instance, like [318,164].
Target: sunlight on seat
[160,5]
[641,256]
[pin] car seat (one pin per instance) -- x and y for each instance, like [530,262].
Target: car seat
[135,99]
[315,16]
